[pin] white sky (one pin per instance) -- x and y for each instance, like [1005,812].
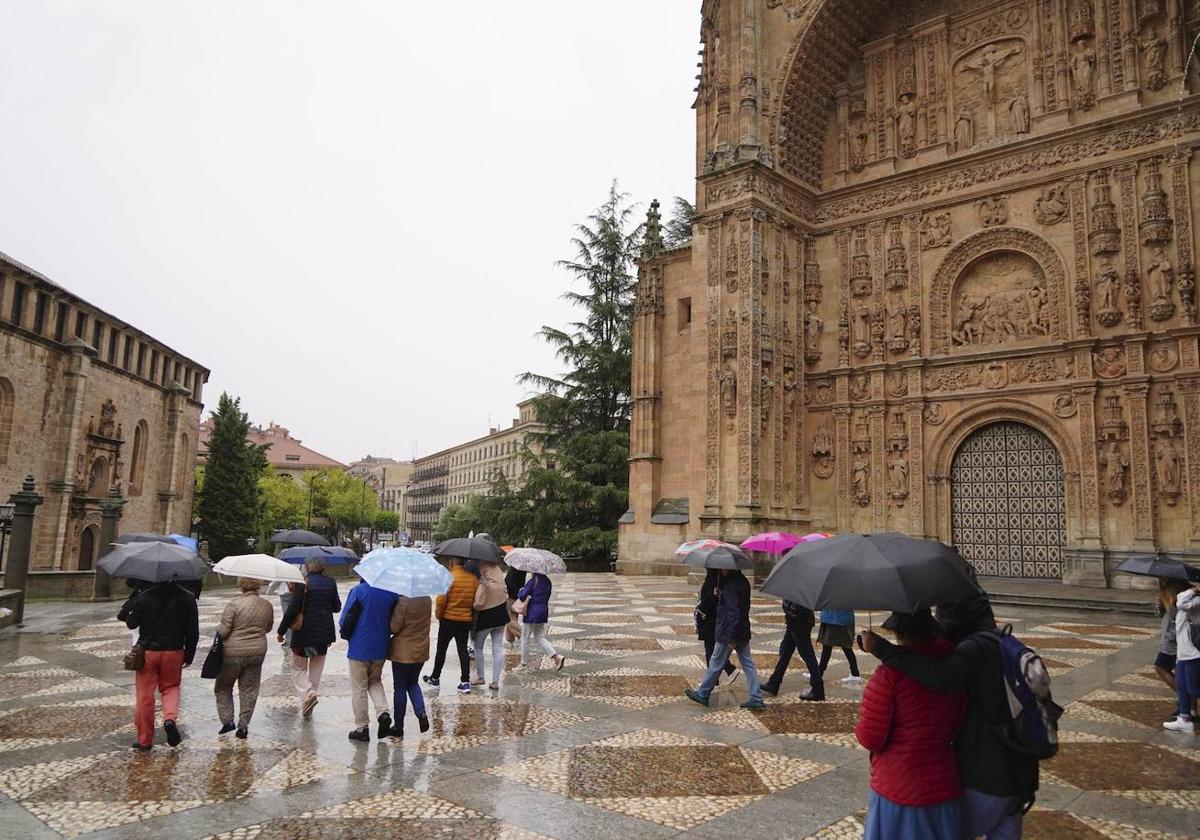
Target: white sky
[349,211]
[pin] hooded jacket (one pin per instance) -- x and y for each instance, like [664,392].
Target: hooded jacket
[371,637]
[538,590]
[455,605]
[733,610]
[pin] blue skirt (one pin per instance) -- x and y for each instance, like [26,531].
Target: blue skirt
[888,821]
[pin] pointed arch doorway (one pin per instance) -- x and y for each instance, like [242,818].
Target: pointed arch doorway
[1008,502]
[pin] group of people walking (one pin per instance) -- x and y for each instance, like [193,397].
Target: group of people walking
[380,627]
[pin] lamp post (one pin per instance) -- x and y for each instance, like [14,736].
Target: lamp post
[6,518]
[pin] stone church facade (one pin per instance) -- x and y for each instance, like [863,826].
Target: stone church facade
[942,281]
[97,412]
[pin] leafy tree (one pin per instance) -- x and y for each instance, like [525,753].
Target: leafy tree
[284,502]
[502,513]
[348,502]
[229,505]
[678,229]
[387,521]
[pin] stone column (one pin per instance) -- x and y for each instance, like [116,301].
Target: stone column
[110,513]
[75,377]
[16,572]
[1139,446]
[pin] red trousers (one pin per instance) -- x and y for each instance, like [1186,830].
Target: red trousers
[163,671]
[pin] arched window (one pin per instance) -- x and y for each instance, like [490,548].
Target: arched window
[8,404]
[186,458]
[137,464]
[87,548]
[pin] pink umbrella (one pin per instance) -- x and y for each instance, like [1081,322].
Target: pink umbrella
[772,542]
[814,536]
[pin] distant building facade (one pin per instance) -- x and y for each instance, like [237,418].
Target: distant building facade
[286,454]
[90,404]
[452,475]
[390,479]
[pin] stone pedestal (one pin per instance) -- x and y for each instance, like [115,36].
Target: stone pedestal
[110,512]
[17,563]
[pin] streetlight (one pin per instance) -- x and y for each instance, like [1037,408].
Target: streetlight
[6,518]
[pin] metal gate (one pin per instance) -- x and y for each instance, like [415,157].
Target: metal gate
[1007,504]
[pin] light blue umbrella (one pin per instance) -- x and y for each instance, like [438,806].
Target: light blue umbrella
[186,542]
[404,571]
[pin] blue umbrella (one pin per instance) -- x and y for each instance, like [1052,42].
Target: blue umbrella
[333,555]
[404,571]
[186,542]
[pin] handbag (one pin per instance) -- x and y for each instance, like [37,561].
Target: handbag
[214,660]
[135,660]
[519,607]
[298,621]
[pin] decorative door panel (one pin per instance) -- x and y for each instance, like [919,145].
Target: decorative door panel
[1007,514]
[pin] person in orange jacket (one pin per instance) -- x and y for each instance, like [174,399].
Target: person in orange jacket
[455,613]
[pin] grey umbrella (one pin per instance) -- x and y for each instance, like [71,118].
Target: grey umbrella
[872,572]
[717,555]
[469,548]
[142,537]
[1160,566]
[298,536]
[153,562]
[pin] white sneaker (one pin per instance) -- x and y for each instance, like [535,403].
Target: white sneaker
[1180,724]
[852,680]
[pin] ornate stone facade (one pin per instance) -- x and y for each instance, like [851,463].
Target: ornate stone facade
[993,205]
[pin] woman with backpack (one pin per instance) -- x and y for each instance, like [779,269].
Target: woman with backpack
[909,730]
[1187,658]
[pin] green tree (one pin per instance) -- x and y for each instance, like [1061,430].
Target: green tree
[678,229]
[347,502]
[577,483]
[229,504]
[387,521]
[284,502]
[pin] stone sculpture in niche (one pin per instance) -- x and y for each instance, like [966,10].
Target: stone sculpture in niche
[1168,467]
[1052,206]
[822,450]
[1083,66]
[1154,47]
[898,478]
[986,64]
[987,79]
[1018,108]
[964,132]
[862,331]
[1160,277]
[935,231]
[1114,465]
[860,480]
[1000,299]
[906,125]
[860,386]
[108,420]
[859,137]
[1108,289]
[728,381]
[814,327]
[897,324]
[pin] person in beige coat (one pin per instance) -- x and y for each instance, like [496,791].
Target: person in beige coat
[245,623]
[409,652]
[491,616]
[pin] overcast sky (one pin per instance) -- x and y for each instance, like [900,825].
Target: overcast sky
[350,211]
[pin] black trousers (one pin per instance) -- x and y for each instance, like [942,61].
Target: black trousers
[709,646]
[459,632]
[797,639]
[827,651]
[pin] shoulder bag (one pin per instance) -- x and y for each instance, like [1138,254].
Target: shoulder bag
[135,660]
[298,621]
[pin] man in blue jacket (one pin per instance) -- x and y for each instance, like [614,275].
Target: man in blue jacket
[365,623]
[733,635]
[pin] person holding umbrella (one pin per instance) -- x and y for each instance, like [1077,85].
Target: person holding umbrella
[797,638]
[165,614]
[1187,658]
[245,623]
[533,600]
[365,623]
[732,634]
[310,618]
[705,615]
[455,614]
[491,616]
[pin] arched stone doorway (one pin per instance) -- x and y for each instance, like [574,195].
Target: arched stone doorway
[87,548]
[1008,502]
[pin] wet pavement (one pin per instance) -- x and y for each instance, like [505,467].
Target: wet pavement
[606,748]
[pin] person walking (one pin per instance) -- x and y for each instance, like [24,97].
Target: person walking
[535,618]
[491,617]
[455,616]
[732,635]
[514,579]
[245,623]
[797,638]
[706,622]
[837,631]
[365,622]
[310,618]
[168,622]
[409,651]
[1187,658]
[999,784]
[909,731]
[1164,661]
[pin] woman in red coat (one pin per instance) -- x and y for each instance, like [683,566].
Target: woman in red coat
[909,731]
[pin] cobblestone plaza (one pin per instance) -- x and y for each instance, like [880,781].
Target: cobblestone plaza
[606,748]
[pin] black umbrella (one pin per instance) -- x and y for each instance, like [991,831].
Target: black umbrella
[469,548]
[154,562]
[298,536]
[718,555]
[142,537]
[1160,566]
[872,572]
[332,555]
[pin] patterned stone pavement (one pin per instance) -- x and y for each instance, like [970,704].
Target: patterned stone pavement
[604,749]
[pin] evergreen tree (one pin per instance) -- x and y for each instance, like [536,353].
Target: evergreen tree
[678,229]
[229,502]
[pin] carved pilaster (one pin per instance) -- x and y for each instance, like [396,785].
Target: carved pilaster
[876,420]
[1132,285]
[1077,190]
[1139,463]
[1181,195]
[916,470]
[712,473]
[749,372]
[1085,400]
[1190,388]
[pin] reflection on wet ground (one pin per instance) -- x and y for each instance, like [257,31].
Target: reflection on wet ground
[606,748]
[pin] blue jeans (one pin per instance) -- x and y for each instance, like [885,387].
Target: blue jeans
[720,659]
[990,816]
[1187,684]
[405,686]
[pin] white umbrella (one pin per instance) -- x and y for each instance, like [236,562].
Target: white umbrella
[261,566]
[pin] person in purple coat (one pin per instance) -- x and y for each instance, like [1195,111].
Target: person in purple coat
[535,617]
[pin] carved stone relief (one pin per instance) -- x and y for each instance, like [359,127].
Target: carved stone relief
[1064,405]
[1114,465]
[935,231]
[1110,363]
[1156,225]
[1162,358]
[1052,206]
[823,452]
[1160,284]
[934,414]
[1108,294]
[1105,232]
[992,210]
[987,81]
[1000,299]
